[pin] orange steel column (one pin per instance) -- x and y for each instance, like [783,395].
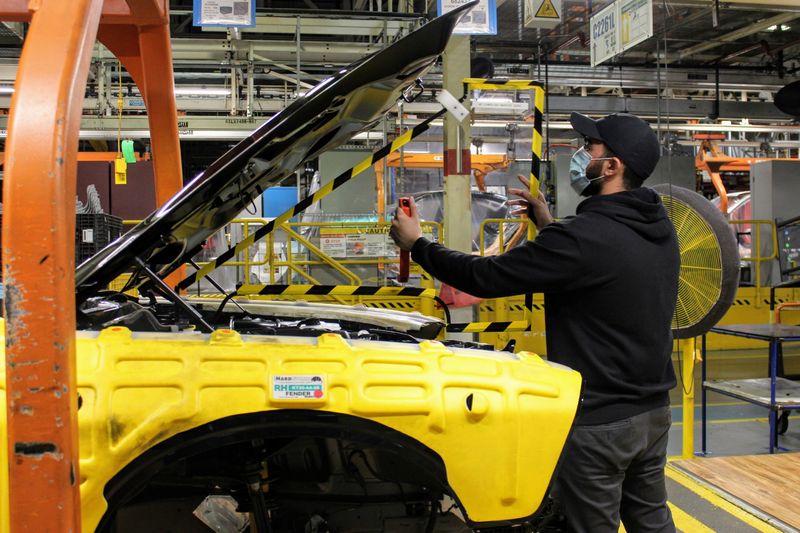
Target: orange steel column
[39,265]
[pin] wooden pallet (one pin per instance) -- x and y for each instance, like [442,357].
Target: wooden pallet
[767,482]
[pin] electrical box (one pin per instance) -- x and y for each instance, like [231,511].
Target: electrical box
[775,188]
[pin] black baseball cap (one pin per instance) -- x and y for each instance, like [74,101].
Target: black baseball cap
[629,137]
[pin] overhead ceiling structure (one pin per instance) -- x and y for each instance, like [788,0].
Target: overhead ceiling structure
[709,64]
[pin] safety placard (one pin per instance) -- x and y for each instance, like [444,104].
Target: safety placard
[298,387]
[636,22]
[480,20]
[229,13]
[605,34]
[354,243]
[359,243]
[542,13]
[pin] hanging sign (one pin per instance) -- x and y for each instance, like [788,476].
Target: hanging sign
[636,22]
[480,20]
[542,13]
[228,13]
[604,28]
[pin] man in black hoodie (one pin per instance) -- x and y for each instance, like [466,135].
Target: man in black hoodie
[610,280]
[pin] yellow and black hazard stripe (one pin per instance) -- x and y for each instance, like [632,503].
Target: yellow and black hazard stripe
[536,169]
[536,147]
[308,201]
[391,305]
[513,307]
[501,84]
[489,327]
[332,290]
[777,300]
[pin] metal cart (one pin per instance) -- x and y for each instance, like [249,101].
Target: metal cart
[775,393]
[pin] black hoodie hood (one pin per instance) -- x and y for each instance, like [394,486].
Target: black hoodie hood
[640,209]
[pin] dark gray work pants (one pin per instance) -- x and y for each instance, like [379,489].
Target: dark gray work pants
[616,470]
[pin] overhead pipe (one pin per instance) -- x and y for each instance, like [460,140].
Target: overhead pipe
[760,45]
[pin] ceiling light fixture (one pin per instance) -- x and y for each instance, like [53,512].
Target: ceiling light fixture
[202,91]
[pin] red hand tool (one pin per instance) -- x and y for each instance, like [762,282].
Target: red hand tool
[402,275]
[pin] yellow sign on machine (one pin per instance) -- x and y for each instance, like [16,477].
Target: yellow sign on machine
[542,13]
[547,10]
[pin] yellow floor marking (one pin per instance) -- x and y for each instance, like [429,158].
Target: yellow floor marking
[683,522]
[717,404]
[727,421]
[687,523]
[715,499]
[738,357]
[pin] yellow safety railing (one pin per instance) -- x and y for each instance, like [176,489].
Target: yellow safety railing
[755,249]
[501,234]
[299,254]
[433,228]
[500,306]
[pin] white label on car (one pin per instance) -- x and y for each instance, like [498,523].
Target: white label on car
[298,387]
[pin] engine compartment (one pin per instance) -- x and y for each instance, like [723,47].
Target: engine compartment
[152,314]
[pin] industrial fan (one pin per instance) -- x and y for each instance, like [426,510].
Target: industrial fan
[709,273]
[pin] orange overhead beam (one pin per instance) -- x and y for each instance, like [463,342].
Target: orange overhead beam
[39,265]
[97,156]
[15,11]
[482,164]
[138,12]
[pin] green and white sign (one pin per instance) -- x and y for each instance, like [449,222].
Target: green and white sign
[636,22]
[298,387]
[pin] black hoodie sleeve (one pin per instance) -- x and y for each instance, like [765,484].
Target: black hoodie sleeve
[552,262]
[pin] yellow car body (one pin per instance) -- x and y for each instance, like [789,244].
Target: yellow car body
[498,421]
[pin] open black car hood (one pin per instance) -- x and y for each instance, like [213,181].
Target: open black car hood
[352,100]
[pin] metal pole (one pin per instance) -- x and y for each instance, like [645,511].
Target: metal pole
[456,174]
[703,378]
[250,81]
[687,347]
[297,55]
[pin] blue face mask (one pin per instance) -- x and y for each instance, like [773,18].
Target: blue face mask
[577,170]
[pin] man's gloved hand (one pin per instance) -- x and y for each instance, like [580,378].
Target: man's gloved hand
[535,208]
[406,229]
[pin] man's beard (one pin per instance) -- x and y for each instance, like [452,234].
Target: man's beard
[593,176]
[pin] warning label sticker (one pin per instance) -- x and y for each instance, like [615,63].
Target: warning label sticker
[298,387]
[547,10]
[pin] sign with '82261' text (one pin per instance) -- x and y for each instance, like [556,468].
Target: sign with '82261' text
[604,27]
[619,26]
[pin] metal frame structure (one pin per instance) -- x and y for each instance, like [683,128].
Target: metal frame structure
[39,227]
[759,391]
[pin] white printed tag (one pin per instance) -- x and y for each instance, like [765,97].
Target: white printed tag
[298,387]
